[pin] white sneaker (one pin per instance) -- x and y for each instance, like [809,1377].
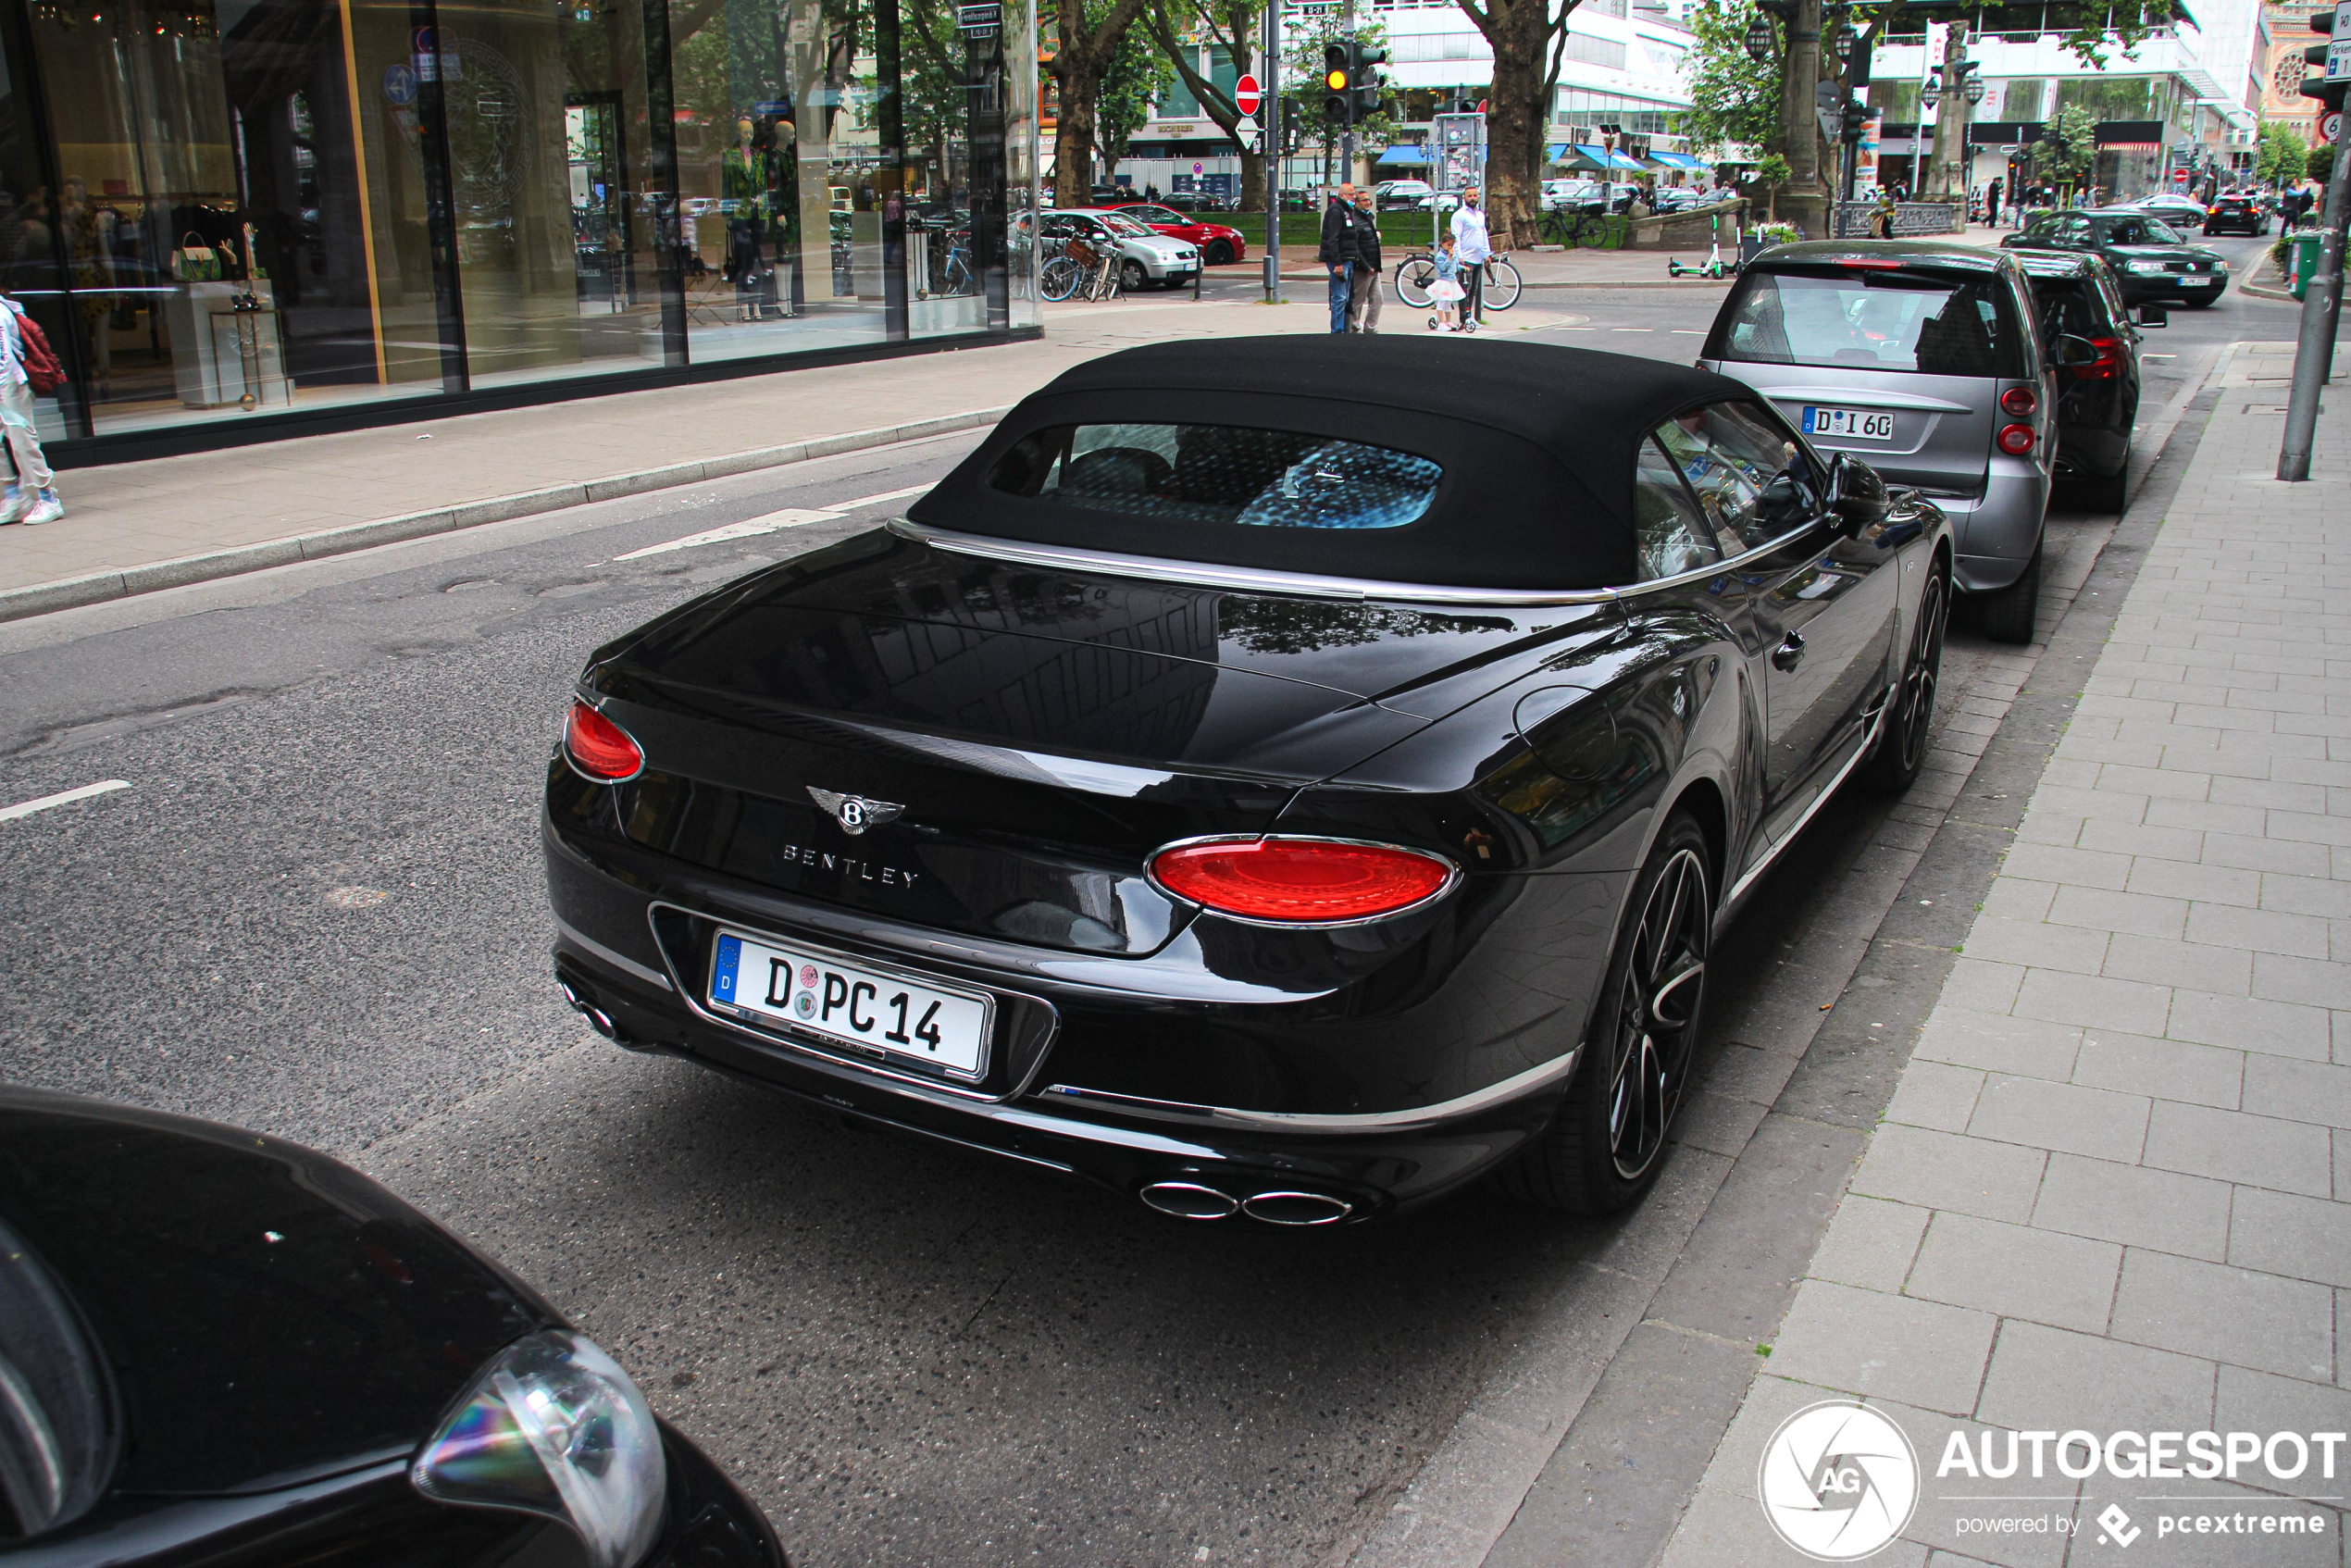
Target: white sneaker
[46,509]
[12,509]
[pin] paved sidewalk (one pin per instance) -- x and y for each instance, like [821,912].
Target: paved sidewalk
[2112,1193]
[157,523]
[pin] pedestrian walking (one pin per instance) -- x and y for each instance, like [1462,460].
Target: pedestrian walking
[1445,291]
[1992,204]
[1339,252]
[1363,297]
[1474,249]
[27,369]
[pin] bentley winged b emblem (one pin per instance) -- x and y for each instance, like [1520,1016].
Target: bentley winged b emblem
[855,812]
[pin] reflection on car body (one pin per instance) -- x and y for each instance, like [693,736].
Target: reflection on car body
[1333,757]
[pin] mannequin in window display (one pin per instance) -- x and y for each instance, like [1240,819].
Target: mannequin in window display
[742,174]
[783,210]
[89,232]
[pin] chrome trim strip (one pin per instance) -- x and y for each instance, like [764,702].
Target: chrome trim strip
[1245,578]
[1283,1121]
[625,964]
[1454,877]
[1795,828]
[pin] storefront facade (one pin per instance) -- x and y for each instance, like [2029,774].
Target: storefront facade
[243,218]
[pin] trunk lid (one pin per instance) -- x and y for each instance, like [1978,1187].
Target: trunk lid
[1042,731]
[1942,432]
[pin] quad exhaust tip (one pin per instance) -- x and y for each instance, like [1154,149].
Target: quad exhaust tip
[1192,1200]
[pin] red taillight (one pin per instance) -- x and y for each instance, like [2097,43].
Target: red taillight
[600,747]
[2016,440]
[2018,403]
[1301,881]
[2107,364]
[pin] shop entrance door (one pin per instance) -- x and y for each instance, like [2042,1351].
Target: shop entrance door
[599,216]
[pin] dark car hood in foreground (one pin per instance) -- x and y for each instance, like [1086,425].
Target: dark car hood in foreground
[1044,731]
[268,1316]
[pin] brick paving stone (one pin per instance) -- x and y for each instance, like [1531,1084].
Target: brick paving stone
[2162,1209]
[2044,1379]
[2240,1317]
[1868,1342]
[2095,1122]
[2017,1272]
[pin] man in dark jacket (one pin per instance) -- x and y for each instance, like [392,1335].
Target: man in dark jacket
[1339,251]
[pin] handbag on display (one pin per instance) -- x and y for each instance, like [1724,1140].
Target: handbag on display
[195,262]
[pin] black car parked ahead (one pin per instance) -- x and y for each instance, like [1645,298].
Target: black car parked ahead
[2097,403]
[2151,259]
[221,1349]
[2236,215]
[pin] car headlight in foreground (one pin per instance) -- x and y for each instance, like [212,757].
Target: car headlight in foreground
[2151,266]
[554,1426]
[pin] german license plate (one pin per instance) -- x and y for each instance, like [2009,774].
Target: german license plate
[1853,424]
[871,1010]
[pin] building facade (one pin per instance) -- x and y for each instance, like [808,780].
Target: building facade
[2159,112]
[241,218]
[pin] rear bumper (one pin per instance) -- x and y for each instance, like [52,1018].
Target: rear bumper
[1993,534]
[626,946]
[1072,1133]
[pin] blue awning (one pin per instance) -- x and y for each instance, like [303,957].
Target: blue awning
[1607,159]
[1679,160]
[1409,153]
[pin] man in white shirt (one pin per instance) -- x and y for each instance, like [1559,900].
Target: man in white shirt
[1474,250]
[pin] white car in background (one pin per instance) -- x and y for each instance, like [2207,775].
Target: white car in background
[1146,256]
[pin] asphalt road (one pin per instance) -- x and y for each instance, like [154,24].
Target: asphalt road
[317,910]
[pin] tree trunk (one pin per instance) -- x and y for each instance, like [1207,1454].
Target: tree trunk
[1517,116]
[1081,58]
[1252,180]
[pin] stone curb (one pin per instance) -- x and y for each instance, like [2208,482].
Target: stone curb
[43,598]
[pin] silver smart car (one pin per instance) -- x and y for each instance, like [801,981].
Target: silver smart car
[1925,361]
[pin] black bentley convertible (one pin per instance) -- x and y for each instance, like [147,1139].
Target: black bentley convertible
[1285,777]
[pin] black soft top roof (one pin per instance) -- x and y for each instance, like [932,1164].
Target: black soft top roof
[1536,444]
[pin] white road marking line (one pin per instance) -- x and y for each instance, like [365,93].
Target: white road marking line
[790,517]
[1690,331]
[1632,328]
[67,797]
[2158,357]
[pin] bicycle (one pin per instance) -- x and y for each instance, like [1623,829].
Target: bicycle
[1416,272]
[1572,228]
[1077,268]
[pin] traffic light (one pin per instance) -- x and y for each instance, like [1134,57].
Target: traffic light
[1364,79]
[2329,94]
[1339,78]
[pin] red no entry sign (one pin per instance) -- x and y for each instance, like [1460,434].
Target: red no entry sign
[1246,95]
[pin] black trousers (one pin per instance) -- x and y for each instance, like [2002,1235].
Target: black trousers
[1473,295]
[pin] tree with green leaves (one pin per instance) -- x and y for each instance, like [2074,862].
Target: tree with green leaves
[1229,26]
[2072,140]
[1137,77]
[1086,35]
[1735,100]
[1771,172]
[2282,156]
[2318,163]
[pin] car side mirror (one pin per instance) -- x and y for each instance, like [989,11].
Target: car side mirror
[2068,352]
[1856,496]
[2152,316]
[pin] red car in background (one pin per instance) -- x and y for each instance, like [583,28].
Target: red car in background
[1218,245]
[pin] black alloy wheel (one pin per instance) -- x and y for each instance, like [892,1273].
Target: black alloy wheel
[1910,721]
[1220,253]
[1608,1140]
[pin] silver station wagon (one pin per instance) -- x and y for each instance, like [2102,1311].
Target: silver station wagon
[1925,361]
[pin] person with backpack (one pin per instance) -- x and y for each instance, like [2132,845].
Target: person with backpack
[28,369]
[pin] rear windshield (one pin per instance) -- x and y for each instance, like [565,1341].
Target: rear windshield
[1220,474]
[1935,324]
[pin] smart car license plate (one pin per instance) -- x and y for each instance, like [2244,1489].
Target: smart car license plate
[871,1010]
[1853,424]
